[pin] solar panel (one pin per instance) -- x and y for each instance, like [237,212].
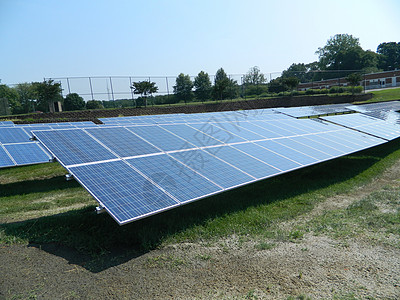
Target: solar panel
[6,123]
[17,149]
[138,170]
[5,158]
[13,135]
[251,165]
[161,138]
[378,106]
[389,116]
[177,179]
[122,141]
[191,135]
[218,171]
[274,159]
[316,110]
[367,124]
[73,146]
[27,153]
[124,193]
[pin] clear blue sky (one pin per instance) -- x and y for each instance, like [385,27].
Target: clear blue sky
[87,38]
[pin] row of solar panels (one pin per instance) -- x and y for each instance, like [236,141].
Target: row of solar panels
[138,166]
[17,148]
[137,170]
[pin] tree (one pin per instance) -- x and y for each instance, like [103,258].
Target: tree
[370,62]
[254,76]
[47,92]
[221,83]
[342,55]
[202,86]
[94,104]
[254,81]
[73,102]
[331,54]
[12,98]
[183,87]
[354,80]
[291,82]
[144,88]
[27,96]
[276,85]
[389,55]
[304,72]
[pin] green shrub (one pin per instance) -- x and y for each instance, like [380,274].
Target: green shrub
[323,91]
[358,89]
[354,89]
[310,92]
[336,90]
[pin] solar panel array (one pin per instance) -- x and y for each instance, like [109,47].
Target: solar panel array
[6,123]
[386,111]
[367,124]
[138,166]
[151,164]
[316,110]
[17,149]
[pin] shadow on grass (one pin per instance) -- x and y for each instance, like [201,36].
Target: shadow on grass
[36,186]
[97,242]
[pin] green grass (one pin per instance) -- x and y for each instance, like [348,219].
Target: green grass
[385,95]
[250,211]
[375,217]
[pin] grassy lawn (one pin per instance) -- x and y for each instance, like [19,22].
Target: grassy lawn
[385,95]
[37,205]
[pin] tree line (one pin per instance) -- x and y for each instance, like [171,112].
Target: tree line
[341,56]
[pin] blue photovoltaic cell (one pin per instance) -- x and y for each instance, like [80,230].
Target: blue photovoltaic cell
[295,126]
[122,141]
[181,182]
[318,141]
[192,135]
[308,111]
[355,140]
[211,167]
[274,132]
[237,129]
[244,162]
[13,135]
[389,116]
[304,149]
[29,129]
[208,130]
[125,193]
[6,123]
[277,127]
[27,153]
[272,158]
[292,154]
[5,160]
[265,133]
[73,146]
[317,147]
[161,138]
[368,125]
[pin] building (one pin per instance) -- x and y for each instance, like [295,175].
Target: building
[370,81]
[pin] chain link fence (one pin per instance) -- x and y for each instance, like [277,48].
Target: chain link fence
[111,88]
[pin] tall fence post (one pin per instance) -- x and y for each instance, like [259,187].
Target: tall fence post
[130,86]
[69,88]
[112,90]
[91,88]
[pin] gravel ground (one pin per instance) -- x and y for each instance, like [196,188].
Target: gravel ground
[314,267]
